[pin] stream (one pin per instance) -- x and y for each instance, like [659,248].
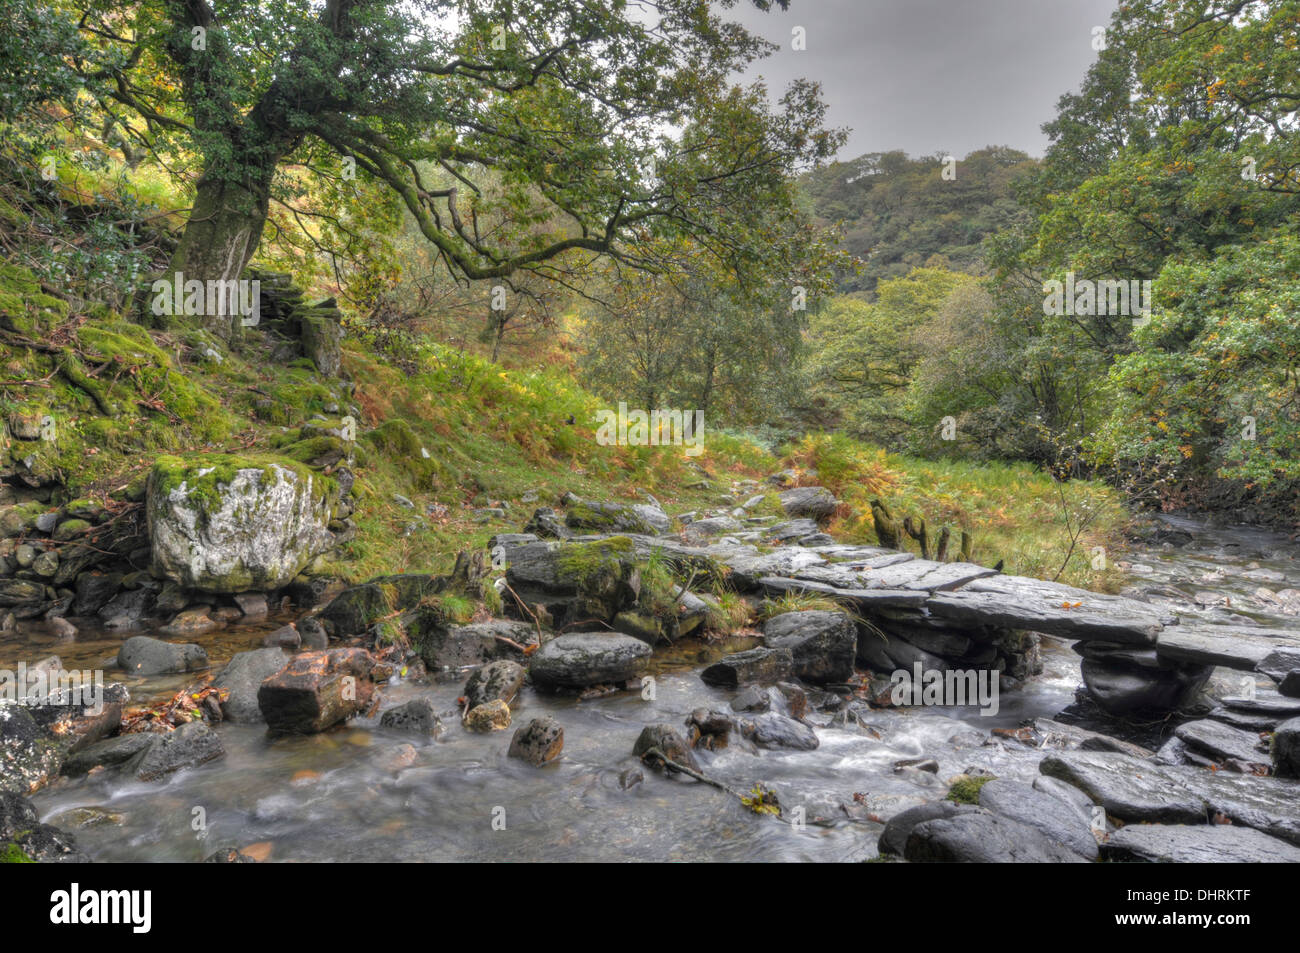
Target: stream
[365,793]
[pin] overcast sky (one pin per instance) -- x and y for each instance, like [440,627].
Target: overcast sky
[929,76]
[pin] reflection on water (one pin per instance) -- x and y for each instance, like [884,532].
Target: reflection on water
[364,793]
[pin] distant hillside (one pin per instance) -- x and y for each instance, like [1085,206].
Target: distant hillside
[897,213]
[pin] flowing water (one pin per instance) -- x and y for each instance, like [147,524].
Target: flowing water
[364,793]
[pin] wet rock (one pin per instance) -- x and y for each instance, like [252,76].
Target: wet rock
[983,838]
[500,680]
[312,633]
[18,592]
[189,746]
[239,525]
[823,645]
[126,609]
[758,665]
[1051,816]
[1283,666]
[814,502]
[893,839]
[22,832]
[1197,844]
[1286,749]
[668,742]
[228,855]
[108,753]
[709,729]
[316,690]
[94,589]
[143,655]
[416,716]
[1123,689]
[285,637]
[61,628]
[451,646]
[580,659]
[252,605]
[752,699]
[191,622]
[28,758]
[492,715]
[1221,742]
[1136,790]
[243,677]
[538,742]
[774,730]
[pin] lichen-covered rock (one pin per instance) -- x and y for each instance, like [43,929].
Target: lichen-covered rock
[538,742]
[230,524]
[496,680]
[490,716]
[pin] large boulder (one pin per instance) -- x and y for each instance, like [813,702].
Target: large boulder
[580,659]
[823,644]
[220,523]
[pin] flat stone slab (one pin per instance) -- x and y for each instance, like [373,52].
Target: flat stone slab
[1264,704]
[1219,741]
[1014,602]
[1236,647]
[1197,844]
[892,598]
[1143,791]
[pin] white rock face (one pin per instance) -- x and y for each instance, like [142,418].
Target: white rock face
[255,532]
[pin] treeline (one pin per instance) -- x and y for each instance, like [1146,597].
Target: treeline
[1174,172]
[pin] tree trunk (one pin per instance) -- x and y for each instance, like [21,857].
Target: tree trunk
[220,237]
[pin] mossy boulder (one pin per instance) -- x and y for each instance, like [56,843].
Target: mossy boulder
[222,523]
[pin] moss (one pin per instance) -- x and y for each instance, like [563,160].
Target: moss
[585,562]
[170,472]
[11,853]
[966,789]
